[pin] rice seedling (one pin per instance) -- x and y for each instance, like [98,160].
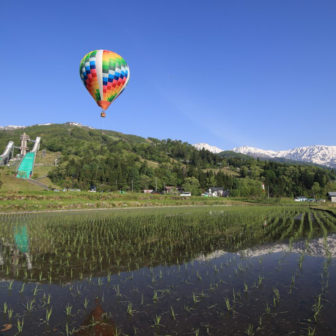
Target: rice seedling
[228,305]
[19,325]
[155,296]
[117,290]
[172,313]
[48,314]
[35,290]
[260,321]
[157,320]
[10,312]
[67,329]
[68,309]
[195,298]
[250,330]
[29,305]
[130,310]
[276,294]
[317,307]
[311,331]
[10,285]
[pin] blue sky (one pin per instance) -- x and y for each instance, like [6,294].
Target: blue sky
[229,73]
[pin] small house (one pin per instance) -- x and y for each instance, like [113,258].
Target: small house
[218,192]
[332,196]
[171,190]
[148,191]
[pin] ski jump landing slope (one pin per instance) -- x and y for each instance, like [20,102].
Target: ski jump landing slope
[26,167]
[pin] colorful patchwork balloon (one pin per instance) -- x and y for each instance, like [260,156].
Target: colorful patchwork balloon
[105,75]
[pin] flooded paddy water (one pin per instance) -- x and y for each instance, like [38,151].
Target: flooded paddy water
[176,271]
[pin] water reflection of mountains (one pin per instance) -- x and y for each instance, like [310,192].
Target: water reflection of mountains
[318,247]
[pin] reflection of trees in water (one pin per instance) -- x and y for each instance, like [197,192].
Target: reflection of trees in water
[97,323]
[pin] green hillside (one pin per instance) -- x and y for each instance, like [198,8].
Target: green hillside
[80,157]
[10,183]
[62,135]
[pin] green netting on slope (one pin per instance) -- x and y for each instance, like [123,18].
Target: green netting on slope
[26,167]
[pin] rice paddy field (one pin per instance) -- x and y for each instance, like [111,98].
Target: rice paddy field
[257,270]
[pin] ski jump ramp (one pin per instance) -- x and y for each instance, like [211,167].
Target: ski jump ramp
[26,167]
[7,154]
[36,145]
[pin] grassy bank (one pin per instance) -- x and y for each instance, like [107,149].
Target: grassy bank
[48,200]
[37,200]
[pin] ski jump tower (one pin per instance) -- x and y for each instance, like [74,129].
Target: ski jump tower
[24,139]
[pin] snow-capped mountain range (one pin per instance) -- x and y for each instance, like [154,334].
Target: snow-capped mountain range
[212,149]
[10,127]
[13,127]
[318,154]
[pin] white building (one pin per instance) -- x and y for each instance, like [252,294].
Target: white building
[218,192]
[332,196]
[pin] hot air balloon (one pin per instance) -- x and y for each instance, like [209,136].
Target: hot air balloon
[105,75]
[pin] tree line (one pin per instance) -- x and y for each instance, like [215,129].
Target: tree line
[154,164]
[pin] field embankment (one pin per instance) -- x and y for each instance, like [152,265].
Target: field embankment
[39,200]
[49,200]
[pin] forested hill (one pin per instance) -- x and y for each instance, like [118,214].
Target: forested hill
[111,160]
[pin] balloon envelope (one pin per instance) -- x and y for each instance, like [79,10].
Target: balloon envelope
[105,75]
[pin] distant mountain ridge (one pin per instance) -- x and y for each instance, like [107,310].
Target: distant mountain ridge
[14,127]
[212,149]
[318,154]
[10,127]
